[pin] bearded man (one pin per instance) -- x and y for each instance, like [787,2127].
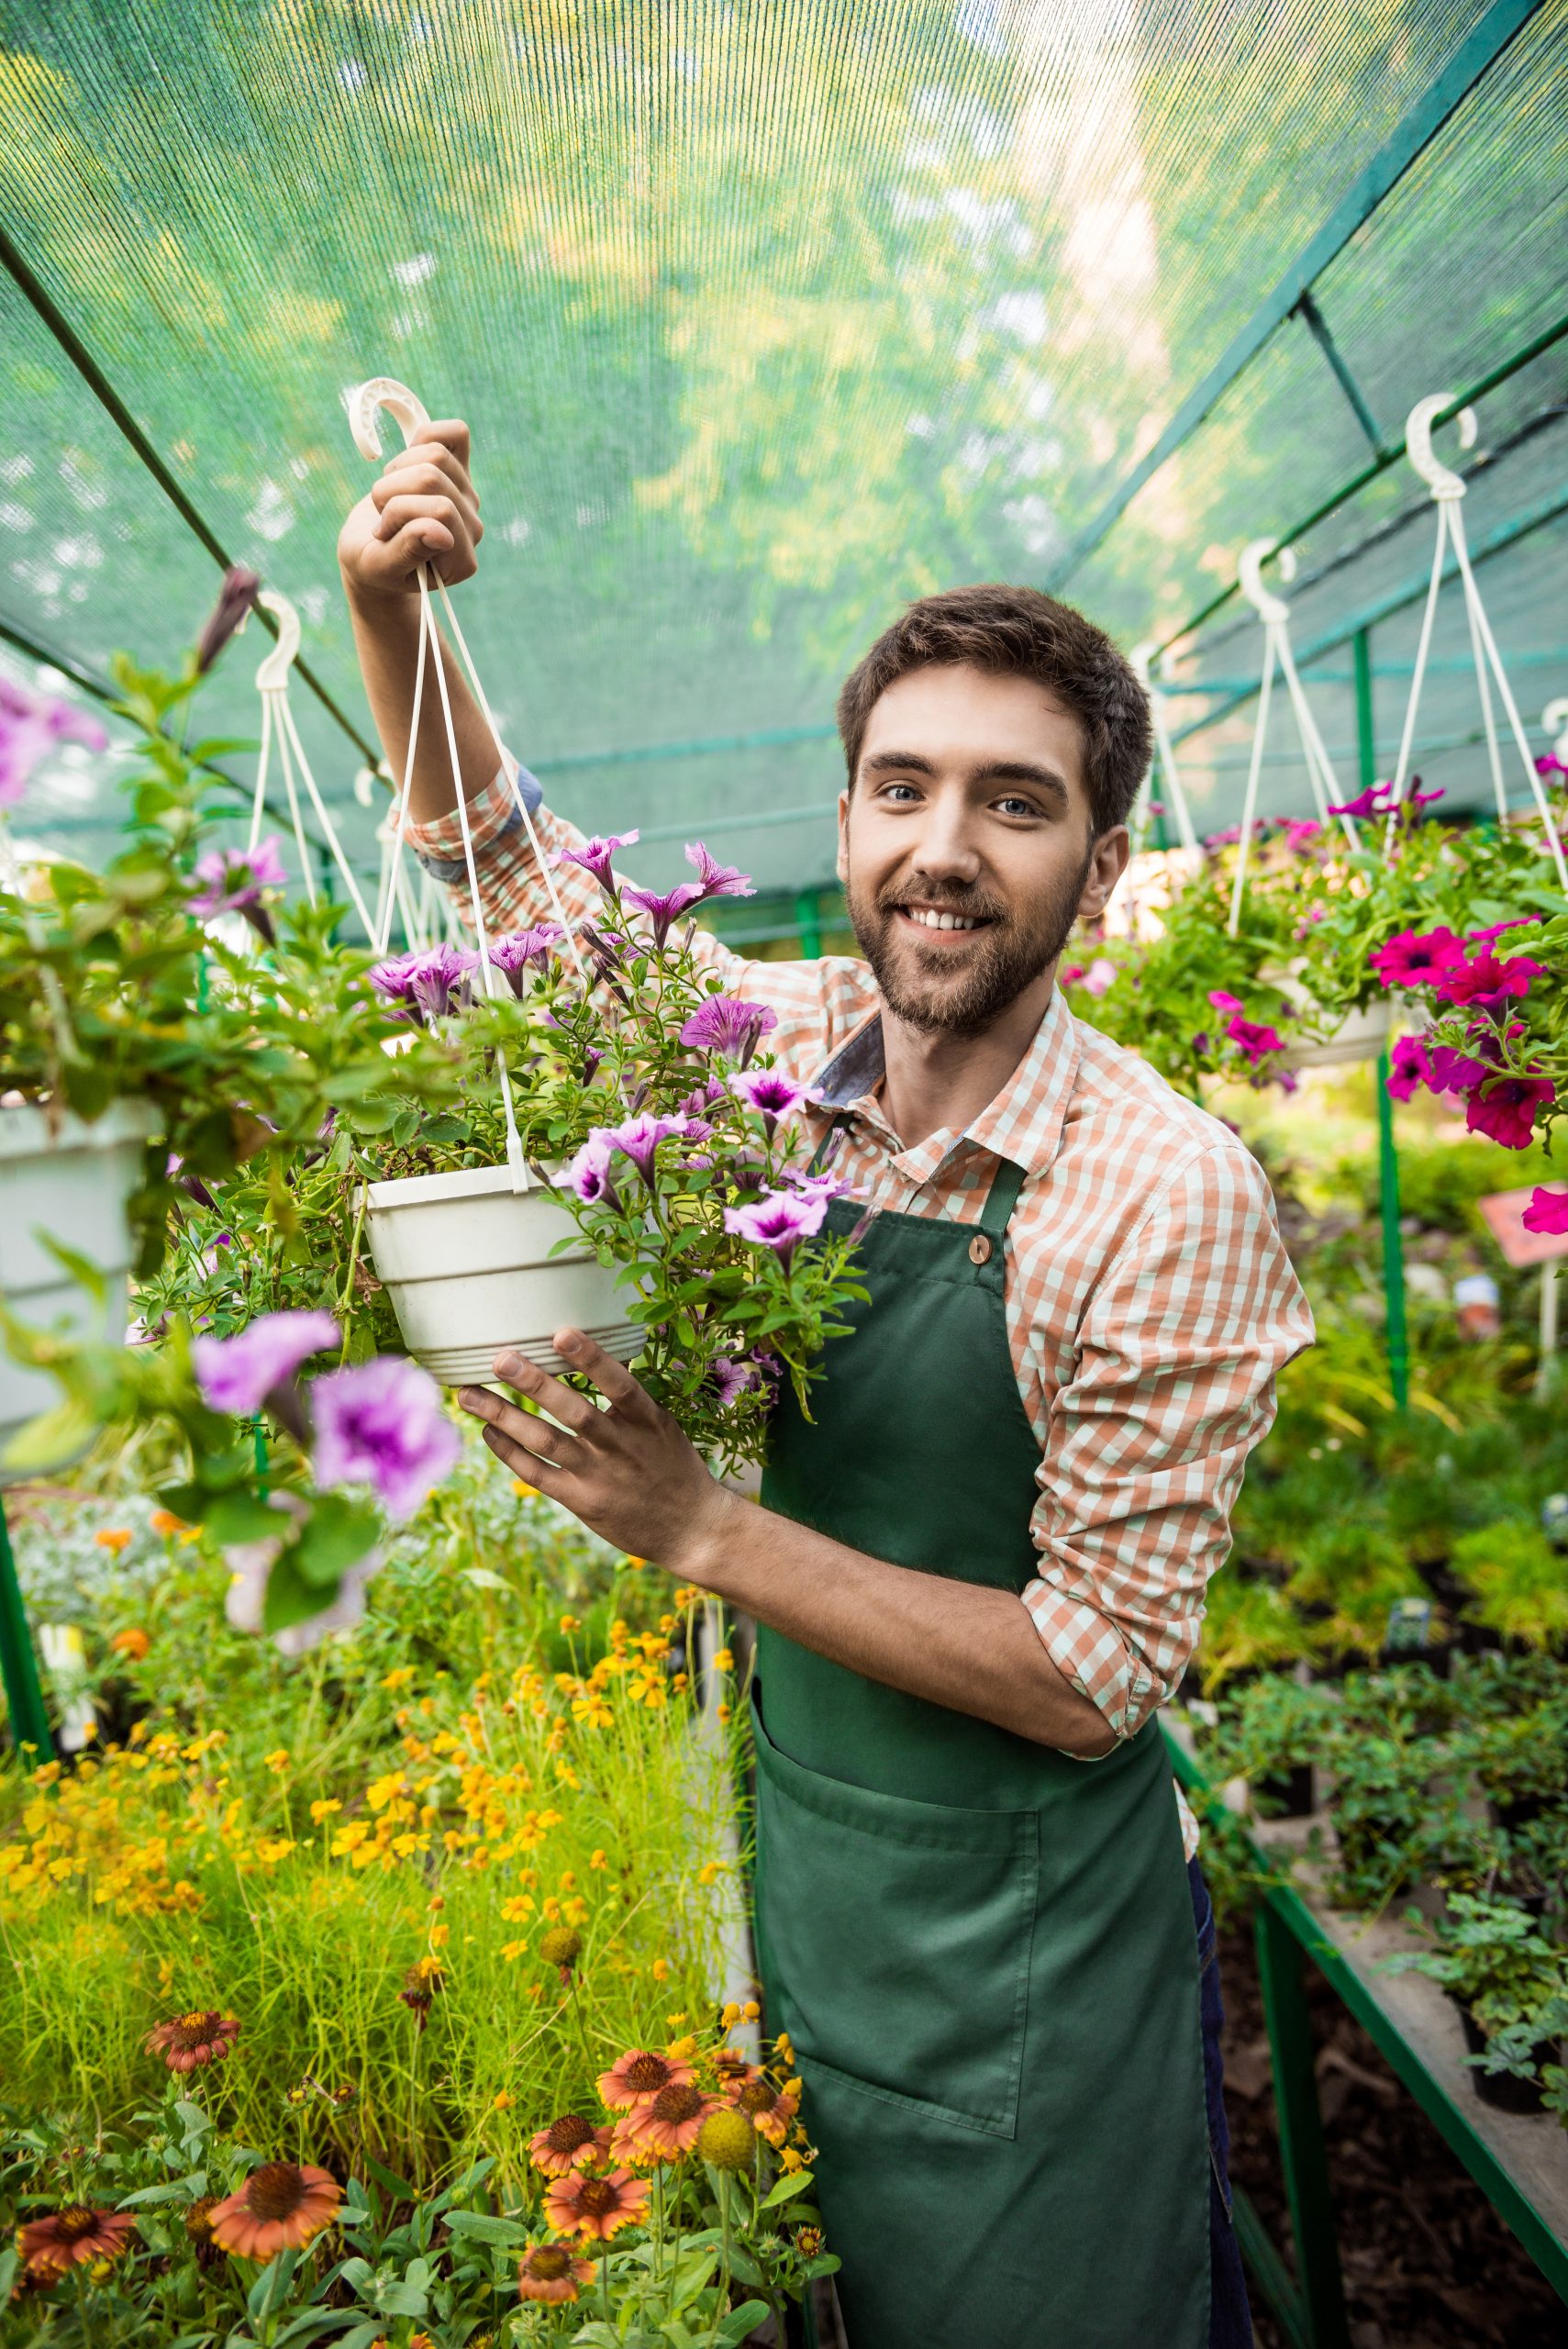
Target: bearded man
[979,1569]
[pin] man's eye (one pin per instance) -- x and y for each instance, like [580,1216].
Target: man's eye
[891,790]
[1012,806]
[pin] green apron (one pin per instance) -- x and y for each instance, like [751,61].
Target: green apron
[982,1949]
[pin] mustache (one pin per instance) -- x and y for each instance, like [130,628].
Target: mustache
[969,902]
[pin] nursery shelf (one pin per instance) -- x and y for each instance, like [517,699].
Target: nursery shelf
[1518,2161]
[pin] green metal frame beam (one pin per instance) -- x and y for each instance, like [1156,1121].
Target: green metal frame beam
[1397,599]
[1502,22]
[75,350]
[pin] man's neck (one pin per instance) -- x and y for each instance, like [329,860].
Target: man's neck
[941,1082]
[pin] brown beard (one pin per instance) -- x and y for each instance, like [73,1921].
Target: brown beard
[1012,951]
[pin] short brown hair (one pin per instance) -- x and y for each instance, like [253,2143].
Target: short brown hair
[1018,632]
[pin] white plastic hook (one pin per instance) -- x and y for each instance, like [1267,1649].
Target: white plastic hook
[272,677]
[1440,479]
[1249,577]
[406,409]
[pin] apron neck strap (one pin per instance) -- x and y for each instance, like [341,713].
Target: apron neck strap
[1002,1199]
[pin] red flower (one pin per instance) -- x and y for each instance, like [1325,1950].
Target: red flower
[595,2208]
[1505,1108]
[204,2036]
[551,2271]
[72,2237]
[567,2144]
[281,2207]
[637,2077]
[1548,1211]
[1416,957]
[1489,981]
[663,2128]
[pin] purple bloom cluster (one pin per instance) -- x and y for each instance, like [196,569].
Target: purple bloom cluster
[515,954]
[236,1375]
[779,1220]
[381,1423]
[29,728]
[728,1025]
[770,1093]
[235,878]
[425,985]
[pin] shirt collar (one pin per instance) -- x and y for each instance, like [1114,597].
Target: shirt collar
[1023,1123]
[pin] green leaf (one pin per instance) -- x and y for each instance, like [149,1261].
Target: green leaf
[389,2181]
[290,1599]
[53,1438]
[742,2320]
[786,2189]
[488,2230]
[243,1517]
[80,1269]
[336,1537]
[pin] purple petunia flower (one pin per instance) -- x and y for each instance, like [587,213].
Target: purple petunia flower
[1408,1067]
[718,879]
[237,1374]
[1506,1109]
[381,1423]
[1489,981]
[589,1173]
[1299,831]
[1372,801]
[640,1139]
[234,877]
[730,1378]
[1223,1002]
[437,976]
[818,1186]
[1252,1039]
[597,856]
[514,954]
[770,1093]
[1450,1070]
[1416,957]
[662,912]
[29,728]
[779,1220]
[728,1025]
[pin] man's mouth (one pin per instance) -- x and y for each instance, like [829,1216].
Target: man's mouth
[938,922]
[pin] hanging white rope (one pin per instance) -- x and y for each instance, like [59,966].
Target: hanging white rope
[1448,495]
[1164,764]
[1275,613]
[277,718]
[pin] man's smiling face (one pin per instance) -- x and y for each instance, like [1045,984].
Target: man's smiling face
[966,846]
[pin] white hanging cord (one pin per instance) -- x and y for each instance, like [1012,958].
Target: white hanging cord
[1165,762]
[1448,493]
[273,685]
[1275,613]
[409,413]
[382,935]
[292,790]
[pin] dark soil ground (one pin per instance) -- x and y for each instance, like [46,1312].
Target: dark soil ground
[1428,2264]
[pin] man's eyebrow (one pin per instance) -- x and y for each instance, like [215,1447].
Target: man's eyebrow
[1023,771]
[890,762]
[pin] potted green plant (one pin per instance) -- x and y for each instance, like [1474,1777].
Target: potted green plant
[1510,1985]
[1518,1582]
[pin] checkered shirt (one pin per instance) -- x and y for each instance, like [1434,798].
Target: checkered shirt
[1149,1301]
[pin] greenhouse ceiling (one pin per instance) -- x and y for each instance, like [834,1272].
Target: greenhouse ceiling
[768,315]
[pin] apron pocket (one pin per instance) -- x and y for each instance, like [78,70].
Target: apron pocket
[896,1939]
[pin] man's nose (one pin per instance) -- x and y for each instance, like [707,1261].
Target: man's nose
[946,850]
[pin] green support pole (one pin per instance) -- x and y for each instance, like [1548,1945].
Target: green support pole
[18,1665]
[808,921]
[1281,1978]
[1396,1335]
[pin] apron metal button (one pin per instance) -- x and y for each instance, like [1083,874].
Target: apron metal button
[980,1249]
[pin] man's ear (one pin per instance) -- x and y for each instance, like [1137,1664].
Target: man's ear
[1109,862]
[843,862]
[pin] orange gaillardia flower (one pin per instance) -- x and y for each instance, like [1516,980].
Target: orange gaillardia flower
[551,2271]
[281,2207]
[204,2036]
[567,2144]
[771,2110]
[639,2076]
[595,2208]
[663,2128]
[132,1644]
[113,1538]
[72,2237]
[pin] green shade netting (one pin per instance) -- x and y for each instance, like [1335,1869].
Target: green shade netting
[767,315]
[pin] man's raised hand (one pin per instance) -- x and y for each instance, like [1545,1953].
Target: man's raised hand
[424,509]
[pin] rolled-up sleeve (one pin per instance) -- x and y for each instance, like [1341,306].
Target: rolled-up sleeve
[1173,1385]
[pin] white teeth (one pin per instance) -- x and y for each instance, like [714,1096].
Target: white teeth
[933,920]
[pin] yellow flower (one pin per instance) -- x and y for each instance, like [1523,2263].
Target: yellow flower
[712,1871]
[634,1564]
[680,2051]
[661,1969]
[501,2101]
[277,1760]
[598,1860]
[113,1538]
[273,1848]
[730,2017]
[324,1809]
[515,1910]
[570,1623]
[398,1678]
[791,2159]
[439,1936]
[381,1791]
[348,1838]
[511,1950]
[751,2011]
[525,1492]
[674,2021]
[723,1711]
[723,1661]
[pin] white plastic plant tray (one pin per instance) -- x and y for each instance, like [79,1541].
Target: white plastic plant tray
[466,1262]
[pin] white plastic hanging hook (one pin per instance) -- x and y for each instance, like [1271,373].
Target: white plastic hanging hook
[272,677]
[1440,479]
[406,409]
[1249,577]
[1554,717]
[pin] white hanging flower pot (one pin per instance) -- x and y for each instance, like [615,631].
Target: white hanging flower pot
[71,1180]
[1361,1036]
[466,1262]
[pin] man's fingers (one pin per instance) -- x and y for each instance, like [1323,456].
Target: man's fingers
[536,1435]
[450,433]
[573,1411]
[611,1377]
[531,1466]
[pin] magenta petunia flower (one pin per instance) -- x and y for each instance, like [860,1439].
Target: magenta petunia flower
[30,726]
[1416,957]
[589,1173]
[1226,838]
[1252,1039]
[718,879]
[438,976]
[1505,1108]
[1372,801]
[1299,831]
[1489,981]
[1547,1211]
[779,1220]
[827,1186]
[1514,921]
[1451,1071]
[381,1423]
[728,1025]
[597,856]
[662,912]
[234,877]
[770,1093]
[1548,764]
[1408,1067]
[1223,1002]
[515,954]
[237,1374]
